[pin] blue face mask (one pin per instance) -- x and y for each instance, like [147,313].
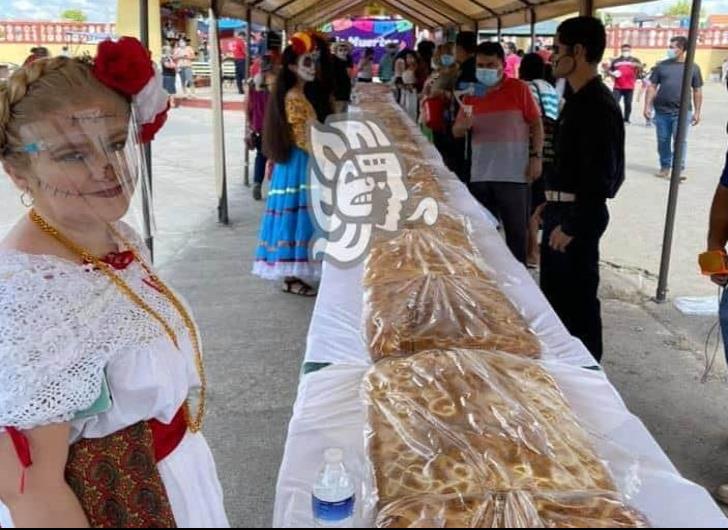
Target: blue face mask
[672,53]
[487,76]
[447,60]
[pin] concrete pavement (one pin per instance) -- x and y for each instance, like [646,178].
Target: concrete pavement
[634,238]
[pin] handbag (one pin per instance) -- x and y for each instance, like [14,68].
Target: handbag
[433,109]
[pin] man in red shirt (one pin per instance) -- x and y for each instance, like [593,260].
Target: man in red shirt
[507,139]
[625,70]
[239,52]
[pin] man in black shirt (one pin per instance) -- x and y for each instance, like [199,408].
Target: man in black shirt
[589,170]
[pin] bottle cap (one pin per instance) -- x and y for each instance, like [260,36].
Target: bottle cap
[333,456]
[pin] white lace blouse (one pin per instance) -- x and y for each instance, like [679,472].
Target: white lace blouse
[64,327]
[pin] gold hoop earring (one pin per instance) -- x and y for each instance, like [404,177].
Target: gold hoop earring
[26,199]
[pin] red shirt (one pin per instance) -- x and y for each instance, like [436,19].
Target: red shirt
[629,69]
[255,67]
[238,49]
[501,132]
[513,63]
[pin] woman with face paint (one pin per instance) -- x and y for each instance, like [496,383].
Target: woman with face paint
[286,228]
[102,380]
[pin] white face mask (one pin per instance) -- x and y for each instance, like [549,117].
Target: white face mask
[342,54]
[626,54]
[306,73]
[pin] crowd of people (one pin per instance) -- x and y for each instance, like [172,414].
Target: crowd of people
[517,128]
[177,62]
[498,120]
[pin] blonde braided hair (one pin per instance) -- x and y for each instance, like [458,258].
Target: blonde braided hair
[41,88]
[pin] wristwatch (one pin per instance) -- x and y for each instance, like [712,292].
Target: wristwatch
[533,154]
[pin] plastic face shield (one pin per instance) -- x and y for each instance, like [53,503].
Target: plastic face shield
[89,164]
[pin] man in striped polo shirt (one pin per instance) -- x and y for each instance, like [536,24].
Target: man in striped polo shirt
[507,138]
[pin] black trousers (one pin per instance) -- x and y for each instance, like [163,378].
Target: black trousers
[461,154]
[509,202]
[628,95]
[240,74]
[260,161]
[444,143]
[570,280]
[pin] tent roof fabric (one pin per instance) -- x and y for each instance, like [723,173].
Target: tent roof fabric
[546,28]
[431,14]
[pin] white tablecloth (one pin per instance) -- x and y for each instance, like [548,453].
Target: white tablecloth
[329,410]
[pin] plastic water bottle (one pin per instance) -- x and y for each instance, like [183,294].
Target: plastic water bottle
[333,496]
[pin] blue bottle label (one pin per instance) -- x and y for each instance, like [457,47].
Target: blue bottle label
[332,511]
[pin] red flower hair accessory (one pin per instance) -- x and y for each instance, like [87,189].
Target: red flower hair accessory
[302,43]
[126,66]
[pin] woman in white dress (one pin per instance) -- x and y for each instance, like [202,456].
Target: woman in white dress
[98,357]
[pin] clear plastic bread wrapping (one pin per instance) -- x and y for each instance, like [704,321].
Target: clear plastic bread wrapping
[512,509]
[432,310]
[467,424]
[413,252]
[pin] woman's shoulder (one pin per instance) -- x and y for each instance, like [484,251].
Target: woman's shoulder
[294,94]
[28,279]
[297,99]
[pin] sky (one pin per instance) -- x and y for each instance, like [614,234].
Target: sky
[105,10]
[654,8]
[31,10]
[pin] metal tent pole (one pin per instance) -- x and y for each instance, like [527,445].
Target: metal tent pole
[533,30]
[218,123]
[148,197]
[248,59]
[679,154]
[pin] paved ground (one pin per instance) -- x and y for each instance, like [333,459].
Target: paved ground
[634,238]
[255,336]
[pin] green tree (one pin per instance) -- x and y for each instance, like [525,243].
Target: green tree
[682,8]
[74,15]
